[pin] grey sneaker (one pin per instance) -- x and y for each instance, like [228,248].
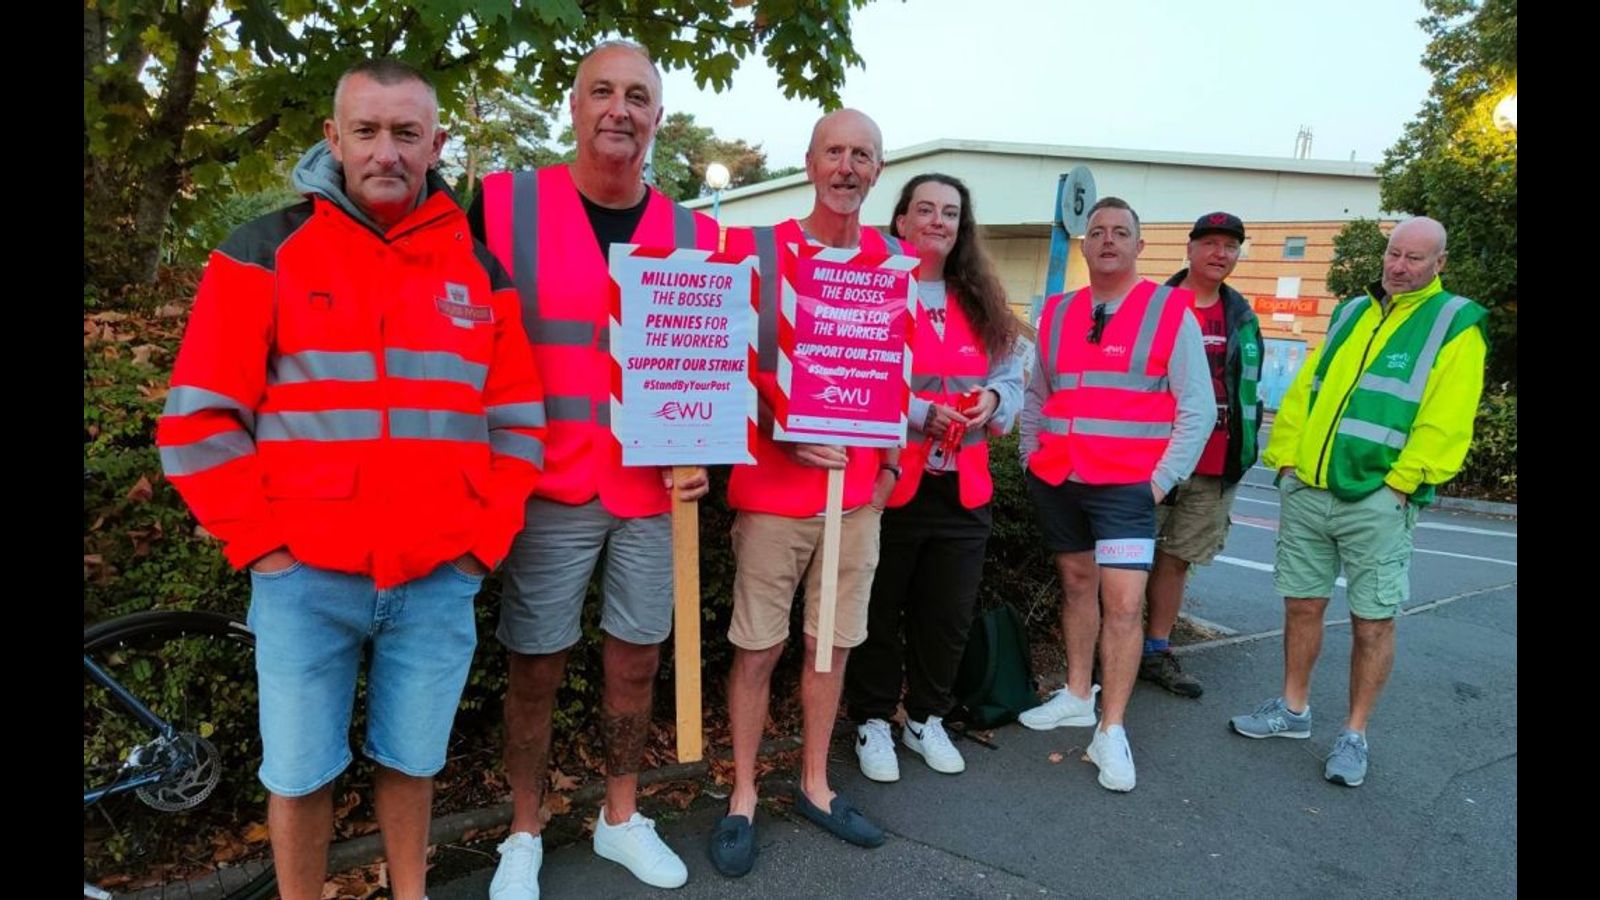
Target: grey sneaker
[1347,764]
[1273,719]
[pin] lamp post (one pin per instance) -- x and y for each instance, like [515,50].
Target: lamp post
[1505,113]
[717,178]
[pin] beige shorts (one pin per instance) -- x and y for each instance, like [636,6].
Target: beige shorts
[1195,527]
[775,553]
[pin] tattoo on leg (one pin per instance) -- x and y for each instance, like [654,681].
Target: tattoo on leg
[625,734]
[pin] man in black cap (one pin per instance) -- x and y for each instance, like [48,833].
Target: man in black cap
[1193,519]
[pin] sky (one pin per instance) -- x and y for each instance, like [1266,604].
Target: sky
[1236,77]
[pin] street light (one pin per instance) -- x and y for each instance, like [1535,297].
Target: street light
[717,178]
[1505,113]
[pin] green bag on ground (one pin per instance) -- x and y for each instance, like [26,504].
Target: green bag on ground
[995,681]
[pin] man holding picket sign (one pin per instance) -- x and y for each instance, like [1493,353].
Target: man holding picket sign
[553,230]
[827,451]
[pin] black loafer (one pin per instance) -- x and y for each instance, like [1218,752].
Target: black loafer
[842,820]
[733,846]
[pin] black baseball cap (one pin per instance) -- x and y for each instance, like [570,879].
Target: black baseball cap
[1217,223]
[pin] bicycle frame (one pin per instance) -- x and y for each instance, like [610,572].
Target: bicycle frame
[179,760]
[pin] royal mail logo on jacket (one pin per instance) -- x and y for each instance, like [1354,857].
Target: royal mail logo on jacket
[456,305]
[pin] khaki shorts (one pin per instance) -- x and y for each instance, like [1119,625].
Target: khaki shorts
[1195,526]
[775,553]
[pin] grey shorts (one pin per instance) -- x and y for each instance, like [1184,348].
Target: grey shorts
[546,576]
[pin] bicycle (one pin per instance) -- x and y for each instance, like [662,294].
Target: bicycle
[170,751]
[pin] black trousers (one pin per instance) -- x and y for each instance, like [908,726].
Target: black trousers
[926,589]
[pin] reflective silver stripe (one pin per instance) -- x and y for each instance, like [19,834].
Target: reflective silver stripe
[925,384]
[1411,391]
[509,443]
[891,243]
[561,332]
[1251,372]
[324,425]
[525,272]
[683,229]
[186,401]
[438,425]
[1053,352]
[435,365]
[1383,385]
[1126,381]
[525,243]
[1344,316]
[961,384]
[322,365]
[1114,428]
[1063,381]
[516,415]
[1316,383]
[1431,348]
[189,459]
[1249,411]
[578,409]
[767,339]
[1139,359]
[1053,425]
[1375,433]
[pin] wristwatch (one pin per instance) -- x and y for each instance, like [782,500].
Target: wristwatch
[890,467]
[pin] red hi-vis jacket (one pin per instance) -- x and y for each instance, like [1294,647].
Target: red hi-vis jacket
[942,370]
[367,401]
[536,226]
[776,484]
[1110,413]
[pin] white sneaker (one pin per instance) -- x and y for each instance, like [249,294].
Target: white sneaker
[875,751]
[517,876]
[1063,708]
[1110,751]
[929,739]
[636,846]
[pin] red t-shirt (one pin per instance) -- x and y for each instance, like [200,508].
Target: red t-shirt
[1214,332]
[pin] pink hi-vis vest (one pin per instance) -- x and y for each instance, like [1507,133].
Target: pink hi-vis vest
[1109,416]
[537,227]
[941,371]
[776,484]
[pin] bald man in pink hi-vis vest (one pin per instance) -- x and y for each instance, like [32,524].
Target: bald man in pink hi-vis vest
[778,531]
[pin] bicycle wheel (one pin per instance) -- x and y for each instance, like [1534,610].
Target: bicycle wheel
[197,832]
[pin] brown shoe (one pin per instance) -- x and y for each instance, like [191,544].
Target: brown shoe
[1163,669]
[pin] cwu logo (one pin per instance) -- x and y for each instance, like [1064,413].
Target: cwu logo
[679,411]
[859,397]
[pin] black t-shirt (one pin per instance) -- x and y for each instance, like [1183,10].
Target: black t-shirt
[610,226]
[613,226]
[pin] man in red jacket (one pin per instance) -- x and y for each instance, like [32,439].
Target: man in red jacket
[355,414]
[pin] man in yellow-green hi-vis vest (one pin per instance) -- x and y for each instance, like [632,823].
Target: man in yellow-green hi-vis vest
[1372,425]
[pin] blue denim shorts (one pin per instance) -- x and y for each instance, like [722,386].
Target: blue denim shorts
[312,626]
